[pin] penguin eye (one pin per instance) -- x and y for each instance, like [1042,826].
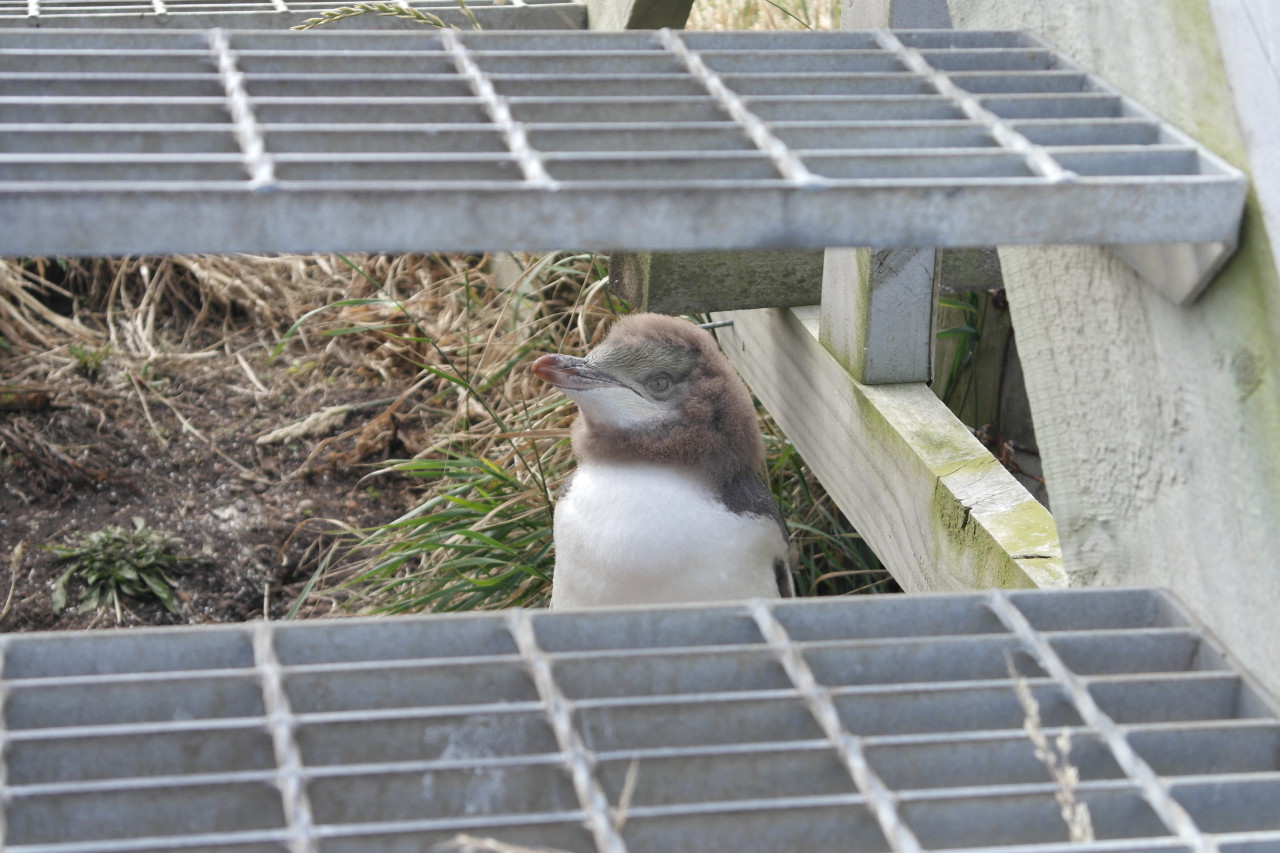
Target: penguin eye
[659,384]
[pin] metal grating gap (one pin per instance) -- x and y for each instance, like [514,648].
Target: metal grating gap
[1167,809]
[512,131]
[786,162]
[1038,160]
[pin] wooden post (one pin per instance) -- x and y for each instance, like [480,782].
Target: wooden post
[877,306]
[1159,425]
[698,282]
[877,313]
[637,14]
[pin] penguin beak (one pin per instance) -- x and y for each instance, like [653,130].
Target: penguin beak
[571,373]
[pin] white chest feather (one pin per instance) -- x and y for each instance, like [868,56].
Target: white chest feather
[636,534]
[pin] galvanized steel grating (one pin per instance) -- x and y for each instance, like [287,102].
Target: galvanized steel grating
[177,141]
[279,14]
[876,724]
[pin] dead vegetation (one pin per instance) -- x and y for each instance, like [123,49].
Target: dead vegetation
[198,364]
[328,434]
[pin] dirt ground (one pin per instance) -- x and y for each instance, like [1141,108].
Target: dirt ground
[255,519]
[173,439]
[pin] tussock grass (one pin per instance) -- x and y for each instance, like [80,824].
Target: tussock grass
[482,536]
[144,307]
[28,318]
[458,345]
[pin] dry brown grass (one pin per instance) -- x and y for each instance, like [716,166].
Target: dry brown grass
[765,15]
[435,327]
[457,345]
[481,537]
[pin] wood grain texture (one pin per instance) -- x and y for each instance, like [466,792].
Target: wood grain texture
[1159,426]
[877,313]
[933,504]
[1252,29]
[637,14]
[902,14]
[699,282]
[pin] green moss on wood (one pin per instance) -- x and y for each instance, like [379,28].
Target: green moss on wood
[977,546]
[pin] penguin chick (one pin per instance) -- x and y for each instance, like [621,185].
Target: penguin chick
[667,503]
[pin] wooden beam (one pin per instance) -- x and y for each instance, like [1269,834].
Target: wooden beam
[699,282]
[900,14]
[1158,425]
[637,14]
[935,506]
[964,270]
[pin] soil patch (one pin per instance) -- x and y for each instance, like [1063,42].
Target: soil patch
[175,442]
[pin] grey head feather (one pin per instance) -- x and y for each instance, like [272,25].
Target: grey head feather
[712,429]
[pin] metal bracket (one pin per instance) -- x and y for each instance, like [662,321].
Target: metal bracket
[1180,271]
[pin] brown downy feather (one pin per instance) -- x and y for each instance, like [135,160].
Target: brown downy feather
[717,432]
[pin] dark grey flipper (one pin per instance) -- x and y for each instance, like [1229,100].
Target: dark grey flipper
[747,493]
[785,576]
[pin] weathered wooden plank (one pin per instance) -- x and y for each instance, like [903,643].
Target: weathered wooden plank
[700,282]
[902,14]
[1252,30]
[877,313]
[637,14]
[1159,426]
[969,269]
[934,505]
[878,310]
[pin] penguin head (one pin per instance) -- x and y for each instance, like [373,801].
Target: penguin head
[635,381]
[658,389]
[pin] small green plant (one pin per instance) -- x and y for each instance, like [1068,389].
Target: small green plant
[116,561]
[831,557]
[968,335]
[89,359]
